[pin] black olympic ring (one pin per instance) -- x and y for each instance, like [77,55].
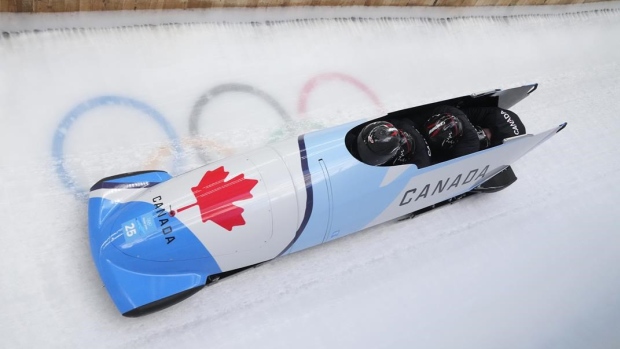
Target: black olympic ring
[225,88]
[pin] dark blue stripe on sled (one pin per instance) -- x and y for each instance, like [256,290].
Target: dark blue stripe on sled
[132,180]
[309,198]
[133,185]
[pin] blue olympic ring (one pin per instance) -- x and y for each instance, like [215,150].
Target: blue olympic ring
[77,112]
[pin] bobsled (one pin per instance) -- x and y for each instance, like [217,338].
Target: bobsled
[156,240]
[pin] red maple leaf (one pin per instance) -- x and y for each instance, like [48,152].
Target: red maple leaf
[215,197]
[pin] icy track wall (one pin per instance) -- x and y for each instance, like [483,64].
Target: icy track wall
[174,97]
[77,105]
[112,5]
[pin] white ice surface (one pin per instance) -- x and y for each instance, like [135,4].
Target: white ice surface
[534,266]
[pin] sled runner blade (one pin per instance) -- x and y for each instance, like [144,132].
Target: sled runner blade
[500,181]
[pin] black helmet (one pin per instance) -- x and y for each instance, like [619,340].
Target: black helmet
[482,137]
[443,130]
[378,142]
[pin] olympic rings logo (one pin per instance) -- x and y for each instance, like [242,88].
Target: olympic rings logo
[175,144]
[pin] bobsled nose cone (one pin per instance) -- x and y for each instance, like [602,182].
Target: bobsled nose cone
[140,286]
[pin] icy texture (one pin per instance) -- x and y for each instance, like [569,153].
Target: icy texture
[534,266]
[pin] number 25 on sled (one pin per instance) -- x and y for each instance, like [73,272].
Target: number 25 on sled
[156,240]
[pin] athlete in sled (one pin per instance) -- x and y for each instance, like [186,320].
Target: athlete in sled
[448,130]
[156,239]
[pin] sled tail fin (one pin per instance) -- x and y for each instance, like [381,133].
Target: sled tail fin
[498,98]
[508,98]
[505,177]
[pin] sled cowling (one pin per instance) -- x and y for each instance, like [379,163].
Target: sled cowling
[136,285]
[241,211]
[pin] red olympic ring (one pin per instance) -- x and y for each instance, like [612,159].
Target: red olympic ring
[312,83]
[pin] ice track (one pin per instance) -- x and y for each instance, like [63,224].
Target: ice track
[530,267]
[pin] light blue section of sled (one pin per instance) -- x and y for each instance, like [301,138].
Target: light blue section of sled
[351,198]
